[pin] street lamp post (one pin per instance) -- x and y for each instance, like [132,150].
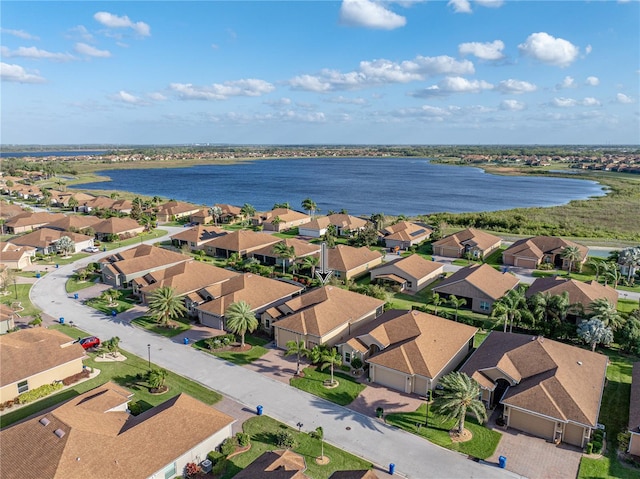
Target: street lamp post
[15,288]
[149,351]
[426,418]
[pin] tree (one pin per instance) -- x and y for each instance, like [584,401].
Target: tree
[65,245]
[297,348]
[378,220]
[456,303]
[240,319]
[571,254]
[111,296]
[309,205]
[136,209]
[157,378]
[73,203]
[284,205]
[165,306]
[331,358]
[606,312]
[284,252]
[436,300]
[330,235]
[319,435]
[596,265]
[511,307]
[367,236]
[628,337]
[315,355]
[247,211]
[594,332]
[311,262]
[540,304]
[630,258]
[234,259]
[460,394]
[111,345]
[613,275]
[216,212]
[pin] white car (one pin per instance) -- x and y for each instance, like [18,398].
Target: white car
[92,249]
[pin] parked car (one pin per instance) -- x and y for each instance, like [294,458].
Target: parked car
[89,342]
[92,249]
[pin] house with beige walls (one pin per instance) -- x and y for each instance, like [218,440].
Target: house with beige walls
[411,273]
[405,234]
[242,242]
[280,219]
[45,240]
[122,227]
[27,221]
[634,411]
[16,256]
[196,237]
[349,262]
[346,225]
[301,248]
[580,292]
[175,210]
[532,252]
[470,241]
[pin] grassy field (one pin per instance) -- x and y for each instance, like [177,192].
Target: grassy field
[314,380]
[74,285]
[483,444]
[119,306]
[19,293]
[240,358]
[263,429]
[125,374]
[150,324]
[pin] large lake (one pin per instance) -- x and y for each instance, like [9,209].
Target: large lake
[393,186]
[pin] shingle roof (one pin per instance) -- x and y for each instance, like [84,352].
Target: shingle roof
[199,234]
[184,277]
[176,208]
[13,252]
[634,406]
[116,225]
[346,258]
[74,221]
[286,215]
[32,219]
[483,277]
[43,237]
[99,443]
[538,246]
[413,265]
[27,352]
[470,236]
[419,343]
[278,464]
[579,292]
[407,231]
[553,379]
[339,219]
[144,257]
[242,240]
[301,248]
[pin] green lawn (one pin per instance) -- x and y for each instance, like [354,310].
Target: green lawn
[150,324]
[263,429]
[483,444]
[21,297]
[125,374]
[104,306]
[55,259]
[627,305]
[245,357]
[133,241]
[74,284]
[290,233]
[314,380]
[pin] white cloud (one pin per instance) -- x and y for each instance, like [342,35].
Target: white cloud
[588,49]
[217,91]
[17,74]
[126,97]
[567,82]
[490,3]
[282,102]
[592,81]
[512,105]
[90,51]
[590,101]
[452,85]
[37,53]
[82,32]
[114,21]
[563,102]
[156,96]
[516,86]
[347,101]
[460,6]
[370,14]
[309,83]
[485,51]
[622,98]
[19,33]
[548,49]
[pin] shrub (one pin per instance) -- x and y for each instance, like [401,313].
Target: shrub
[35,322]
[215,457]
[356,363]
[623,441]
[285,440]
[228,446]
[191,469]
[38,393]
[74,378]
[135,408]
[243,439]
[589,448]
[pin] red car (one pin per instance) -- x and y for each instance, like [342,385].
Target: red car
[89,342]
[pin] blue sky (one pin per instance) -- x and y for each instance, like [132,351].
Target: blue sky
[321,72]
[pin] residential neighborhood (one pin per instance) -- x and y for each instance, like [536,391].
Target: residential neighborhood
[204,321]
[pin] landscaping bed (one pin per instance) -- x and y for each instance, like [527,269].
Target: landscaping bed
[150,324]
[234,353]
[314,382]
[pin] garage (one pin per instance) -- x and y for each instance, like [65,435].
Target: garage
[389,378]
[573,434]
[535,425]
[526,262]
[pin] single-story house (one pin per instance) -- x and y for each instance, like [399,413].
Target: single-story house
[405,234]
[45,240]
[280,219]
[122,227]
[346,225]
[24,222]
[546,388]
[323,316]
[277,464]
[470,241]
[229,213]
[410,350]
[105,203]
[348,262]
[74,223]
[196,236]
[412,273]
[242,242]
[119,269]
[580,292]
[9,210]
[201,217]
[259,292]
[531,252]
[95,435]
[34,357]
[302,248]
[7,319]
[62,198]
[15,256]
[634,411]
[480,284]
[174,210]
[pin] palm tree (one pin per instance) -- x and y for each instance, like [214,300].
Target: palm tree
[111,296]
[240,319]
[330,359]
[540,304]
[111,345]
[311,262]
[157,378]
[216,212]
[165,306]
[571,254]
[436,300]
[309,205]
[594,332]
[597,265]
[378,220]
[511,307]
[73,203]
[460,394]
[247,211]
[456,303]
[284,252]
[613,275]
[66,245]
[319,435]
[630,258]
[316,353]
[606,312]
[234,260]
[297,348]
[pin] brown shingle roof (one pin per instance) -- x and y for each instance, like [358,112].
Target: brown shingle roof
[339,219]
[354,475]
[176,208]
[242,240]
[185,277]
[470,236]
[27,352]
[145,257]
[43,237]
[414,265]
[278,464]
[199,234]
[579,292]
[286,215]
[406,231]
[301,248]
[538,246]
[32,219]
[553,379]
[117,225]
[483,277]
[346,258]
[74,221]
[634,406]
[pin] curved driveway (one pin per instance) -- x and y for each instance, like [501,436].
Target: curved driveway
[361,435]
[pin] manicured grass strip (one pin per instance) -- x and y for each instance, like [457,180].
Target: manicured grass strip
[133,241]
[125,374]
[73,285]
[314,380]
[106,308]
[239,357]
[150,324]
[19,293]
[263,429]
[483,444]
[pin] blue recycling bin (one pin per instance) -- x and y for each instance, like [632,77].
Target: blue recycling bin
[38,275]
[259,410]
[185,340]
[61,320]
[75,296]
[104,248]
[392,468]
[113,313]
[57,265]
[502,460]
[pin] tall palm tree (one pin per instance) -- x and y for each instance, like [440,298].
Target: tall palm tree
[571,254]
[596,265]
[606,312]
[511,307]
[594,332]
[240,319]
[378,220]
[456,303]
[311,262]
[216,212]
[460,394]
[630,258]
[165,306]
[284,252]
[247,211]
[436,300]
[73,203]
[540,304]
[613,275]
[331,358]
[297,348]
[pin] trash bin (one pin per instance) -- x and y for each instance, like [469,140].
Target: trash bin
[75,295]
[185,340]
[104,248]
[259,410]
[392,468]
[113,313]
[57,265]
[61,320]
[502,460]
[433,258]
[38,275]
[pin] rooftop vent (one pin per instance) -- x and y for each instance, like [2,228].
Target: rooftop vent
[44,421]
[579,363]
[59,432]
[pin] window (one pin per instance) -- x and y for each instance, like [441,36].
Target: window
[23,387]
[170,471]
[484,306]
[267,323]
[347,357]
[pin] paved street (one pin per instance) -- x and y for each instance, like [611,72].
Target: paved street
[364,436]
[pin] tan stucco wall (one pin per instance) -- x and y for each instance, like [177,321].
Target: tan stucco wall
[453,363]
[450,252]
[352,273]
[10,391]
[282,336]
[494,374]
[420,385]
[634,444]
